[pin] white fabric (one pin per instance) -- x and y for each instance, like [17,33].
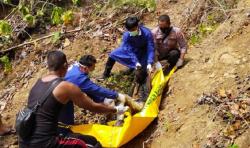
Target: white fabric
[108,101]
[121,98]
[137,65]
[121,109]
[149,67]
[158,66]
[119,116]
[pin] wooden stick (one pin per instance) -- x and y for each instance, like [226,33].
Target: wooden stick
[36,40]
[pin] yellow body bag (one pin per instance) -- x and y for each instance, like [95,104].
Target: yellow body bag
[112,136]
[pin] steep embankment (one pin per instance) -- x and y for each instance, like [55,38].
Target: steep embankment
[211,65]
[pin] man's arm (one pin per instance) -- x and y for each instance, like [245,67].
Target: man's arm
[125,44]
[90,87]
[66,91]
[182,43]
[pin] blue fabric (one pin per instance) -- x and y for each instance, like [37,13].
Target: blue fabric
[135,49]
[82,80]
[94,91]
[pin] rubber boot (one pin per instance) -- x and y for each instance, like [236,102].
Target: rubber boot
[109,65]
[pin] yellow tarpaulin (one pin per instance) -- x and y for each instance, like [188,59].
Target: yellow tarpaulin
[112,136]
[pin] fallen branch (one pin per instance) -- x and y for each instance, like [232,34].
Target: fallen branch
[36,40]
[12,11]
[222,8]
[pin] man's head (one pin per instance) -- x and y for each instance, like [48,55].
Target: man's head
[131,25]
[87,63]
[164,23]
[57,62]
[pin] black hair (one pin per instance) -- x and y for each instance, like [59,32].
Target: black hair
[164,18]
[131,22]
[56,60]
[87,60]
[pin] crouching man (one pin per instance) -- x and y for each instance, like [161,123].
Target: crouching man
[170,43]
[78,74]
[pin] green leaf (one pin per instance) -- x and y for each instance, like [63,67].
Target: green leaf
[40,13]
[56,15]
[195,38]
[29,19]
[7,1]
[76,2]
[6,62]
[68,17]
[5,28]
[233,146]
[148,4]
[24,10]
[56,37]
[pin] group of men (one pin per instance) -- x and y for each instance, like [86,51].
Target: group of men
[140,49]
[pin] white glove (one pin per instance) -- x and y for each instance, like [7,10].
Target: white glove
[158,66]
[179,62]
[137,65]
[120,109]
[121,98]
[109,101]
[119,116]
[149,68]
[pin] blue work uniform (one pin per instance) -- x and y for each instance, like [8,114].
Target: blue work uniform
[133,49]
[94,91]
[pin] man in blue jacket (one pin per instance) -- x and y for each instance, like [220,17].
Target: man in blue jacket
[136,50]
[78,74]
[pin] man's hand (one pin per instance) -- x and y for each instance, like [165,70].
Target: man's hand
[149,68]
[137,66]
[121,98]
[179,62]
[120,109]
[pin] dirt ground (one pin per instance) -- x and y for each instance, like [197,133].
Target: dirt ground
[211,64]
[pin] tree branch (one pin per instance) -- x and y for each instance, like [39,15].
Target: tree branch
[36,40]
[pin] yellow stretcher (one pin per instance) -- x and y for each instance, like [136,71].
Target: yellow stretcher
[112,136]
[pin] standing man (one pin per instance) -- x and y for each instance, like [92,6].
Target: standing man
[44,134]
[170,43]
[136,50]
[78,74]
